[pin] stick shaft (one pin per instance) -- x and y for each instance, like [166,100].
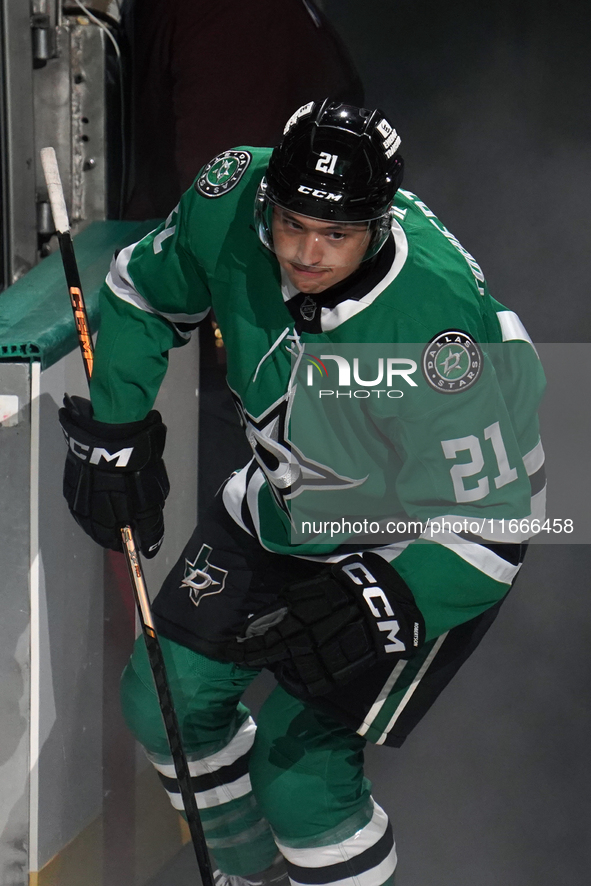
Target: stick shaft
[132,558]
[171,725]
[77,302]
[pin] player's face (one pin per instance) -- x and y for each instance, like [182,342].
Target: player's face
[317,254]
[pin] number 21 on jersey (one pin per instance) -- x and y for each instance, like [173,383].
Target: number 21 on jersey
[459,472]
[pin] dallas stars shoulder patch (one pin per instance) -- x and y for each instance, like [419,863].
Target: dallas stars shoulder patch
[223,173]
[452,362]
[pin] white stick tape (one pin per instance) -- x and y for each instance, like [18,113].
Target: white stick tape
[55,190]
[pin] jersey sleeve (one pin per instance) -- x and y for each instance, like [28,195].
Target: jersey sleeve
[473,483]
[155,295]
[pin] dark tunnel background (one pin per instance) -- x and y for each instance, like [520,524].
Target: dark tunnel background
[492,103]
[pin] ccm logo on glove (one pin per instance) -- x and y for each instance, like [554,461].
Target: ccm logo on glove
[329,630]
[82,450]
[114,476]
[371,592]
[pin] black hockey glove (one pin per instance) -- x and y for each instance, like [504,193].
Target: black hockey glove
[326,631]
[114,476]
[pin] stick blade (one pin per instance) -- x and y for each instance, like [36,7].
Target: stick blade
[55,190]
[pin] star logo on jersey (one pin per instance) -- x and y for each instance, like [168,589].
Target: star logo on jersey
[288,471]
[202,578]
[452,362]
[223,173]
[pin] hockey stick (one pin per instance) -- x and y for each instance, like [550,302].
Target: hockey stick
[62,226]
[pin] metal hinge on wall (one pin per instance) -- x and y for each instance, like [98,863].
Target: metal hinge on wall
[44,39]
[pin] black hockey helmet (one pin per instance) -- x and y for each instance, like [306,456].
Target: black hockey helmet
[335,162]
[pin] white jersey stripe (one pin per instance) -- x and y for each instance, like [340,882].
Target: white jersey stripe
[335,853]
[476,555]
[382,696]
[121,285]
[512,328]
[412,688]
[388,552]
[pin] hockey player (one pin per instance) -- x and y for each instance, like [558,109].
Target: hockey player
[361,637]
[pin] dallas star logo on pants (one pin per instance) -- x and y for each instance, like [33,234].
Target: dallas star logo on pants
[201,575]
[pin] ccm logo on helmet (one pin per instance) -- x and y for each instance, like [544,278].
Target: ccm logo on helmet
[93,457]
[372,592]
[322,195]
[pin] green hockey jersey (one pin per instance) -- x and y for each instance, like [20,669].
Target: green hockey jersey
[407,399]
